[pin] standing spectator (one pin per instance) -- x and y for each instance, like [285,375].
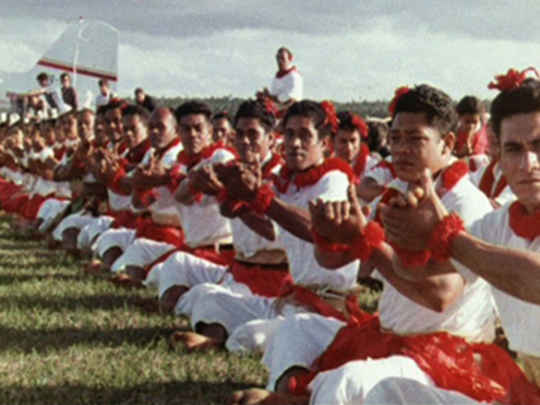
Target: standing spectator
[69,94]
[144,100]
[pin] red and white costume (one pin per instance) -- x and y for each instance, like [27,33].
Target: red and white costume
[491,181]
[187,269]
[202,222]
[364,163]
[249,319]
[287,85]
[383,172]
[510,227]
[302,339]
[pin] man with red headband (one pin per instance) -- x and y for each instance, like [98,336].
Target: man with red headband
[508,237]
[332,361]
[223,315]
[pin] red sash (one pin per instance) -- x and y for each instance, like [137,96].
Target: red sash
[449,360]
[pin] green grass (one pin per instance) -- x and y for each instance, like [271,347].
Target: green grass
[70,338]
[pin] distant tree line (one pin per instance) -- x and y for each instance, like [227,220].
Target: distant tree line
[230,104]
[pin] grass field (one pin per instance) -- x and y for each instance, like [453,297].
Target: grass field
[70,338]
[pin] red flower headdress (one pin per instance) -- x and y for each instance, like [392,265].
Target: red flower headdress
[512,79]
[331,116]
[399,92]
[360,125]
[270,107]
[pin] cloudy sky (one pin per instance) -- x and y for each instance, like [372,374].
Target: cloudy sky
[346,50]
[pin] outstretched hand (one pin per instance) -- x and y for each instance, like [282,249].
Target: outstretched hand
[243,181]
[409,218]
[206,180]
[339,221]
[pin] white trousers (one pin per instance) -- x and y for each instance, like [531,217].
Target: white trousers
[248,319]
[77,220]
[184,269]
[88,234]
[141,253]
[49,210]
[120,237]
[405,391]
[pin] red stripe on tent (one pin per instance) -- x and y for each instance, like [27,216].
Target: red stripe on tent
[82,71]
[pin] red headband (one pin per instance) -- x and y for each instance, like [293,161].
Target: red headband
[512,79]
[360,125]
[331,117]
[270,107]
[399,92]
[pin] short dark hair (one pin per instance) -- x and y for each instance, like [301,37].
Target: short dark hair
[520,100]
[256,109]
[103,82]
[377,136]
[222,115]
[64,75]
[310,109]
[193,107]
[285,49]
[132,109]
[470,105]
[113,104]
[42,76]
[138,90]
[435,103]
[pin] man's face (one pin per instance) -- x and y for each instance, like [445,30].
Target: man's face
[415,146]
[252,141]
[104,89]
[520,155]
[162,129]
[66,81]
[44,82]
[194,130]
[283,60]
[470,122]
[303,147]
[222,130]
[139,97]
[99,130]
[134,130]
[113,124]
[347,144]
[85,125]
[69,124]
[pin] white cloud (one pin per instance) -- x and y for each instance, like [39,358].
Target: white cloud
[345,50]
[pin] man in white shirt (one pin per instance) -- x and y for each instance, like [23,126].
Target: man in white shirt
[287,85]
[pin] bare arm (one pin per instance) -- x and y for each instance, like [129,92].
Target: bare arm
[435,292]
[369,189]
[259,225]
[294,219]
[516,272]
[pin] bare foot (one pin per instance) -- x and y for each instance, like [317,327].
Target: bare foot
[170,297]
[136,273]
[123,280]
[257,396]
[94,267]
[193,341]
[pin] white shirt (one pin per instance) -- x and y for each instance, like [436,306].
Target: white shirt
[506,195]
[473,312]
[520,319]
[303,266]
[287,87]
[202,221]
[104,99]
